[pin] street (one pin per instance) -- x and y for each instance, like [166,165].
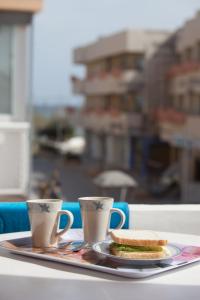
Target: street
[77,180]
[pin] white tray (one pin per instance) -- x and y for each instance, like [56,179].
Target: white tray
[90,260]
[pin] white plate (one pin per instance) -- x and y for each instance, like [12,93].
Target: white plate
[102,248]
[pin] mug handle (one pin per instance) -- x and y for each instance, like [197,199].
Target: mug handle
[122,215]
[69,223]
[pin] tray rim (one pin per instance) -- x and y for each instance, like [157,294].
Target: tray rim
[134,273]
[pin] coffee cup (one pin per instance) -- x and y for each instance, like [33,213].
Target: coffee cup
[44,215]
[96,213]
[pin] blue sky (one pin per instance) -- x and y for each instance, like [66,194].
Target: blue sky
[63,25]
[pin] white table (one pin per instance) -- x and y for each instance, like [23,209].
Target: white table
[26,278]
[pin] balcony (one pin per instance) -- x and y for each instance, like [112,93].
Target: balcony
[178,128]
[111,122]
[183,69]
[107,83]
[170,122]
[169,115]
[184,84]
[184,78]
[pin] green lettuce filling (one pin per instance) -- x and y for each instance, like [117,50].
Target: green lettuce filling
[120,247]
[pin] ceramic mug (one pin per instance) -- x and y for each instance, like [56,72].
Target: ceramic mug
[44,215]
[96,213]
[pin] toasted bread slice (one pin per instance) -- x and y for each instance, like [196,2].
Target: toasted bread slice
[137,238]
[138,255]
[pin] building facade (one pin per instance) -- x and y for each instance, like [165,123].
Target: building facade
[179,125]
[15,94]
[115,95]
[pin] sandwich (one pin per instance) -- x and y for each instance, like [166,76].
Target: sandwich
[138,244]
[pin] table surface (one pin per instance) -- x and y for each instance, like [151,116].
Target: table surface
[27,278]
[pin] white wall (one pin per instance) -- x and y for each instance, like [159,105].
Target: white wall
[171,218]
[14,158]
[15,127]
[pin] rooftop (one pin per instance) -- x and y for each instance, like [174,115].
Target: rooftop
[128,41]
[189,33]
[21,5]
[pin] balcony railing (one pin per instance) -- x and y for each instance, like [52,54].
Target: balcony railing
[169,115]
[178,128]
[106,83]
[114,122]
[182,69]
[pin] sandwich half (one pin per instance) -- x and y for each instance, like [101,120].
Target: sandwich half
[137,244]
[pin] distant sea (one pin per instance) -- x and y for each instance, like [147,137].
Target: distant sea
[47,110]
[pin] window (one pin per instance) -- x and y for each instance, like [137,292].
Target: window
[176,101]
[172,101]
[180,104]
[188,54]
[198,105]
[108,64]
[124,62]
[187,103]
[198,51]
[107,103]
[193,105]
[139,103]
[6,33]
[129,103]
[139,63]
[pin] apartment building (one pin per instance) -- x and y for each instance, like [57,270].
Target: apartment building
[179,125]
[115,95]
[15,95]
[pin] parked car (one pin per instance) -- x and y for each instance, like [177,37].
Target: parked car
[73,147]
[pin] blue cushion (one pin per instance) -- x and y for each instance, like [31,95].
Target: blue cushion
[14,216]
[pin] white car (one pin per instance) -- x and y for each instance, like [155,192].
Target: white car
[75,146]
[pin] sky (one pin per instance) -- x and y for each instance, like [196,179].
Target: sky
[63,25]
